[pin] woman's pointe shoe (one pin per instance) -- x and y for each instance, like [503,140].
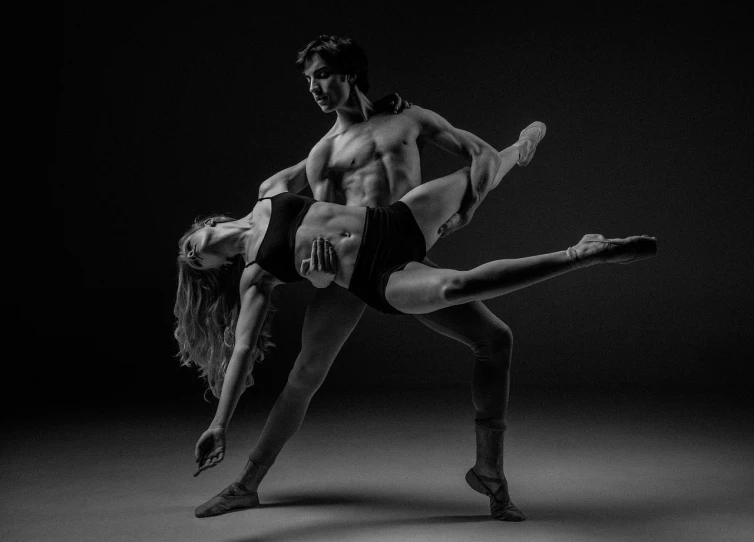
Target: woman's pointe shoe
[501,506]
[233,497]
[528,141]
[594,248]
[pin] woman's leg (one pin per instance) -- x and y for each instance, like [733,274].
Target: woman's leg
[435,202]
[419,289]
[438,205]
[487,177]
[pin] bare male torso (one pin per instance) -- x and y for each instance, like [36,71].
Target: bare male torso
[371,163]
[375,161]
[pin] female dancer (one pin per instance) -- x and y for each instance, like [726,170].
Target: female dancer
[228,268]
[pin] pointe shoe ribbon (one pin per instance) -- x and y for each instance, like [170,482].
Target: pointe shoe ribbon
[233,497]
[623,251]
[501,508]
[529,138]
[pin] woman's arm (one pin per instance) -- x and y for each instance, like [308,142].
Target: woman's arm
[254,304]
[255,301]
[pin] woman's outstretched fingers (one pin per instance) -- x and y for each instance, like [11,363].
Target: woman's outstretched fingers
[210,461]
[210,449]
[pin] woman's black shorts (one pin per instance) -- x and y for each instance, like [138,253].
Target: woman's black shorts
[391,240]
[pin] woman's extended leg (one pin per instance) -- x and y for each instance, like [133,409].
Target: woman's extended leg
[419,289]
[436,204]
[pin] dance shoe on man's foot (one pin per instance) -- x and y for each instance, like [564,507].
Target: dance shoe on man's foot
[501,507]
[528,141]
[594,248]
[233,497]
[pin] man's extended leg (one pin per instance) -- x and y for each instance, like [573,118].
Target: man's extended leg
[330,318]
[491,342]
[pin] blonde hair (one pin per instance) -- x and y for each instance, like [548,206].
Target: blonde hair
[206,309]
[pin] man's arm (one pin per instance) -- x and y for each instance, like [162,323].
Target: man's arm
[292,179]
[485,162]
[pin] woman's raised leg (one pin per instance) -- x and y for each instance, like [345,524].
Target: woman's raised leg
[419,289]
[435,202]
[437,205]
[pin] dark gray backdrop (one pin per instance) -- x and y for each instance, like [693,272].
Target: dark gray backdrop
[163,113]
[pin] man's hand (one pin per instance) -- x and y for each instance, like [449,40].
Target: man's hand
[392,103]
[453,224]
[471,200]
[321,266]
[457,221]
[210,449]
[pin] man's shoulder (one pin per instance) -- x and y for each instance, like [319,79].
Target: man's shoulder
[428,121]
[411,115]
[419,113]
[323,145]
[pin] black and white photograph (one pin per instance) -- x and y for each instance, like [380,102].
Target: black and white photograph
[387,271]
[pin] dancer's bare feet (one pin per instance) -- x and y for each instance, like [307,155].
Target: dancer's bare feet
[528,141]
[594,248]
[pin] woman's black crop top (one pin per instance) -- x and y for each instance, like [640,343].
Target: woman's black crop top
[277,252]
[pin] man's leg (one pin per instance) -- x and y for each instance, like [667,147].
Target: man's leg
[330,318]
[491,342]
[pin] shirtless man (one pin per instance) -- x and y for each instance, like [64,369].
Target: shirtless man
[372,159]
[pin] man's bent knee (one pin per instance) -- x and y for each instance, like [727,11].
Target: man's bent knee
[495,346]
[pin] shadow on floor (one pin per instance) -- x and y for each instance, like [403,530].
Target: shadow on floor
[346,529]
[617,516]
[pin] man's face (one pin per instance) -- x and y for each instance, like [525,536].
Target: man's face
[331,90]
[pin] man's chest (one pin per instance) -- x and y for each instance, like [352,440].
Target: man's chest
[374,140]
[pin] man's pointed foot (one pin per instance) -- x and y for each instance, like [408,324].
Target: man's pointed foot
[501,507]
[528,140]
[233,497]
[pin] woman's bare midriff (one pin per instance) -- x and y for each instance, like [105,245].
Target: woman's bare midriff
[341,226]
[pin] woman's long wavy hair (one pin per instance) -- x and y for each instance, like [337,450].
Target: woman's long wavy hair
[206,311]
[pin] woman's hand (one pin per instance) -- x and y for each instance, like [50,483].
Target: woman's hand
[392,103]
[321,267]
[210,449]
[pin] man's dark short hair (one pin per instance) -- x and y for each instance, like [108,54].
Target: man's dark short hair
[340,52]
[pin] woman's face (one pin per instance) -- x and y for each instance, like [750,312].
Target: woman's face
[198,248]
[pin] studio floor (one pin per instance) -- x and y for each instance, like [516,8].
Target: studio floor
[389,466]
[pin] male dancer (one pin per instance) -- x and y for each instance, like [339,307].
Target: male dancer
[373,159]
